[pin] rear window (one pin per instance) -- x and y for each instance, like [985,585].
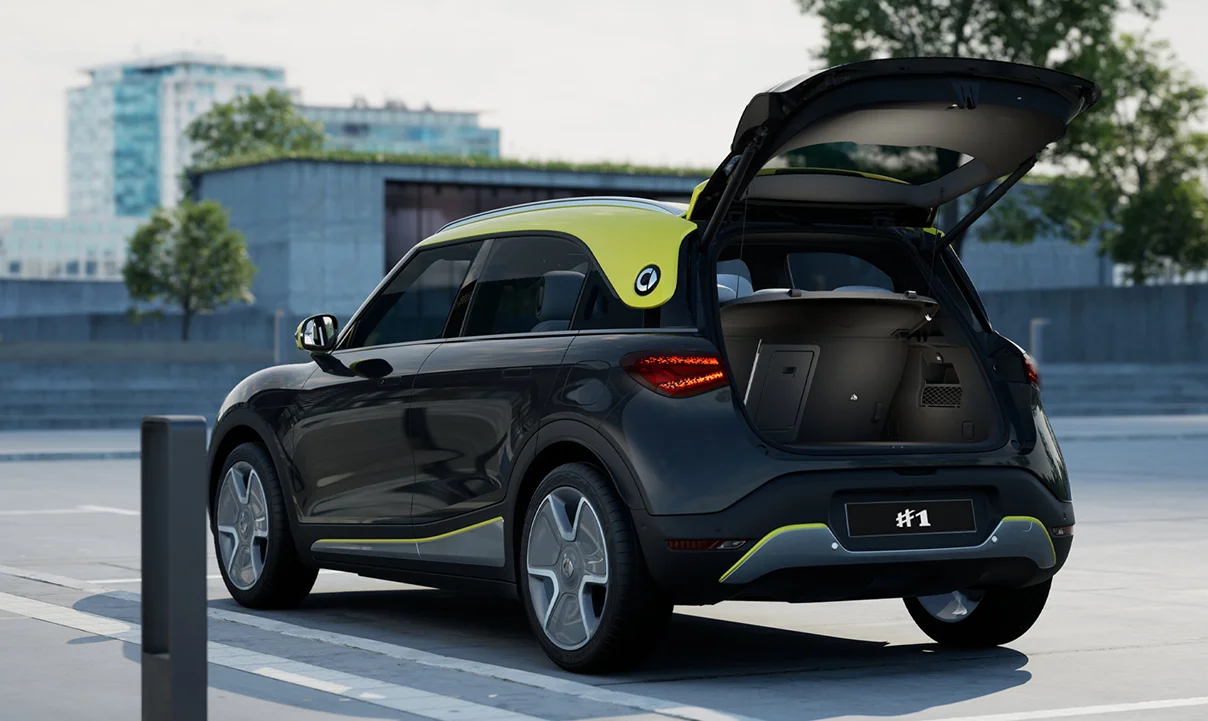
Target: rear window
[831,263]
[916,164]
[831,271]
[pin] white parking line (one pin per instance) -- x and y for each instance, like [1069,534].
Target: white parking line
[379,693]
[1086,710]
[71,511]
[562,686]
[326,680]
[110,509]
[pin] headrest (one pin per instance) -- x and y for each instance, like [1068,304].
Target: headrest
[557,295]
[740,285]
[724,293]
[863,289]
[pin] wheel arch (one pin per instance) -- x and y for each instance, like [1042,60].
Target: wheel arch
[557,444]
[243,425]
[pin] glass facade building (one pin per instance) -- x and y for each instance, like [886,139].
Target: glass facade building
[71,248]
[395,129]
[127,150]
[126,146]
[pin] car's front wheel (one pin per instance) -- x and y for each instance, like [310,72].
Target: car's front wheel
[255,549]
[979,618]
[585,586]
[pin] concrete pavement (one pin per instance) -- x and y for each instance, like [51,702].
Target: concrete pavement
[1125,635]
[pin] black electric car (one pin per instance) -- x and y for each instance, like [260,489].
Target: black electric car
[786,390]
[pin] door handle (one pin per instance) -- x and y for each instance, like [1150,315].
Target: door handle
[390,382]
[518,372]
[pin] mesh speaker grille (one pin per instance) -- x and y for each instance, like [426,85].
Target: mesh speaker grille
[941,395]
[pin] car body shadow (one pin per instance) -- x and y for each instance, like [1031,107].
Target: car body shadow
[230,680]
[820,676]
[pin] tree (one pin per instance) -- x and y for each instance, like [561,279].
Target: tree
[1131,171]
[250,124]
[1037,32]
[188,256]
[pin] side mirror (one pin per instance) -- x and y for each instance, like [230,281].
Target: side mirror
[317,334]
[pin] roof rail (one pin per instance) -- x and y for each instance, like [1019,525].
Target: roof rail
[605,200]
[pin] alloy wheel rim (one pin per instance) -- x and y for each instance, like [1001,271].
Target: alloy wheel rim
[952,607]
[567,563]
[242,522]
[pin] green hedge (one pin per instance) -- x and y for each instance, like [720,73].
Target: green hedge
[350,156]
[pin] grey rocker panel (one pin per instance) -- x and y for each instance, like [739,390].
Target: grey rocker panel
[815,545]
[481,545]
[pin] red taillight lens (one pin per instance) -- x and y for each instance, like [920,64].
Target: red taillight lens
[1032,369]
[676,374]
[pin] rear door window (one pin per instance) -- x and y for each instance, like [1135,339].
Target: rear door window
[529,284]
[601,309]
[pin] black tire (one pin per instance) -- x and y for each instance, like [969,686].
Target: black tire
[285,580]
[1001,616]
[635,613]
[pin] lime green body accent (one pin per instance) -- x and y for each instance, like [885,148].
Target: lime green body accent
[802,526]
[624,240]
[764,540]
[497,519]
[1038,523]
[695,194]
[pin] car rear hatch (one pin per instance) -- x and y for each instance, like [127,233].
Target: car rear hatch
[998,116]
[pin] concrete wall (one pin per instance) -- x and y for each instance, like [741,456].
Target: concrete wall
[1150,324]
[1048,262]
[238,332]
[61,297]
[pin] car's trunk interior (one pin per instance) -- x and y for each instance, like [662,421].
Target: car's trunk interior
[875,363]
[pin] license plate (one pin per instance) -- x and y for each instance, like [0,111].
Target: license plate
[901,518]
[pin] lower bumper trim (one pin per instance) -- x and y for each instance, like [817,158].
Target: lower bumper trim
[813,544]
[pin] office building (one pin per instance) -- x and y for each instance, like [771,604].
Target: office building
[77,247]
[396,129]
[125,130]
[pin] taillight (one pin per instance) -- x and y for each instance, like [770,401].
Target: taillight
[676,374]
[1032,369]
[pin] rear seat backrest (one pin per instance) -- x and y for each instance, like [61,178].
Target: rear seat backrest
[864,289]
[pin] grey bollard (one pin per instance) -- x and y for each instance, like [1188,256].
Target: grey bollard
[174,568]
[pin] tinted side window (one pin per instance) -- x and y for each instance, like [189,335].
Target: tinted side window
[600,308]
[416,303]
[529,284]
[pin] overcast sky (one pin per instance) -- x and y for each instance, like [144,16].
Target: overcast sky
[650,81]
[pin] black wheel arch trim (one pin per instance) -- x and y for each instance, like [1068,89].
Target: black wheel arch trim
[574,431]
[244,417]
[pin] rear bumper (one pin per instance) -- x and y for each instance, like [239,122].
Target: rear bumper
[798,549]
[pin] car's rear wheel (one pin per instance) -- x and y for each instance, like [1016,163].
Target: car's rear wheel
[252,540]
[979,618]
[588,595]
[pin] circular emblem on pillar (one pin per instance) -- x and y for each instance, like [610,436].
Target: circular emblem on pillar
[647,280]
